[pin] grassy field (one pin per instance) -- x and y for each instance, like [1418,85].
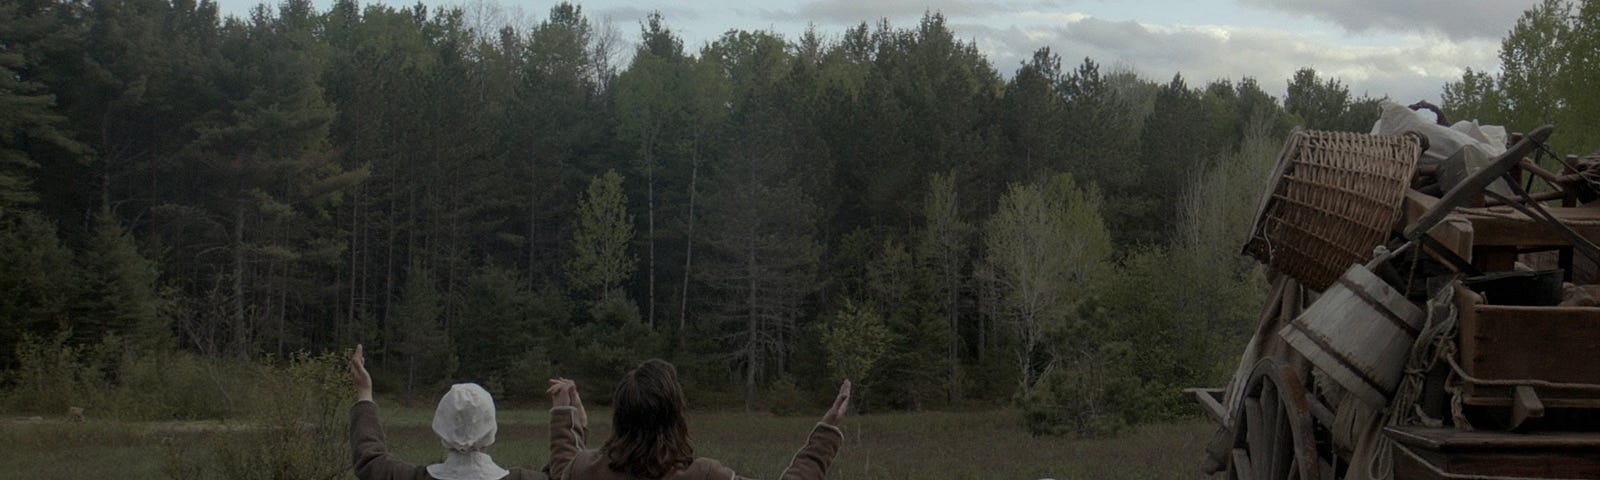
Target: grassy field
[927,445]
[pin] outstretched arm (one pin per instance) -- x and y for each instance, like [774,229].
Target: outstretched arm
[813,459]
[359,375]
[368,453]
[841,403]
[568,426]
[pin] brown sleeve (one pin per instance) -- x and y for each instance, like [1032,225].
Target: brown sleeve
[813,459]
[566,440]
[371,458]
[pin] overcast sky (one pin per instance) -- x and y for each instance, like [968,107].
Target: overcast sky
[1405,49]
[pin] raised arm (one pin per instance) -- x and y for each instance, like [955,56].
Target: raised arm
[813,459]
[368,453]
[569,425]
[359,375]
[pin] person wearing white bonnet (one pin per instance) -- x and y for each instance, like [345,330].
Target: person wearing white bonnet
[465,424]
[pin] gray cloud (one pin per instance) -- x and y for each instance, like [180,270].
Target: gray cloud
[1454,18]
[857,11]
[629,14]
[1405,72]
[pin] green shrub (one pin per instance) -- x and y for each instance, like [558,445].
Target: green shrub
[296,408]
[785,398]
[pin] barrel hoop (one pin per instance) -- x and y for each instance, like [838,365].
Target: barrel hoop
[1380,307]
[1338,357]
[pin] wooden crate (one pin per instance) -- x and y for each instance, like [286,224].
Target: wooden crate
[1553,344]
[1441,453]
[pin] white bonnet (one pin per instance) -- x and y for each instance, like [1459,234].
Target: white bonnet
[465,418]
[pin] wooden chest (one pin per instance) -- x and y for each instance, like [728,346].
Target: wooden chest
[1552,344]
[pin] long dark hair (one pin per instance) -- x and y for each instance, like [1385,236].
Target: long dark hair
[649,437]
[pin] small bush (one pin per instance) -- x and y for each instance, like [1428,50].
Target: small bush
[289,411]
[1091,396]
[296,406]
[785,398]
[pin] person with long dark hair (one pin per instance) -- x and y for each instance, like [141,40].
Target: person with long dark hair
[650,439]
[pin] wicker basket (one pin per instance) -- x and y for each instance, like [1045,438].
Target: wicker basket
[1334,196]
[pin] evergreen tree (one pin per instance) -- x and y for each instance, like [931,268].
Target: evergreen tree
[415,332]
[1036,116]
[945,250]
[497,341]
[1173,150]
[1099,130]
[651,98]
[119,293]
[27,124]
[1318,103]
[914,370]
[267,158]
[38,279]
[558,114]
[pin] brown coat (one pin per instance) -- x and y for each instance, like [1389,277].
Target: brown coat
[569,460]
[373,460]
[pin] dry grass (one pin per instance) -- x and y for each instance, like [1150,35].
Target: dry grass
[928,445]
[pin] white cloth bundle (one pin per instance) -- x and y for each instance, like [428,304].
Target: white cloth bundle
[1484,142]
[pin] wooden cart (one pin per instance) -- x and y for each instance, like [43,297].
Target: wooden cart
[1522,365]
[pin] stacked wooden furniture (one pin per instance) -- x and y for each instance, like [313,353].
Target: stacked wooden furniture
[1528,368]
[1304,404]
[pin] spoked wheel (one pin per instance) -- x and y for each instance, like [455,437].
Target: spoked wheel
[1274,434]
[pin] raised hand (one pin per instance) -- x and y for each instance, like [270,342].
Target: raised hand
[841,403]
[558,392]
[581,416]
[564,392]
[359,375]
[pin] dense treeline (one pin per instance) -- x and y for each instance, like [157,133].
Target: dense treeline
[501,205]
[1549,70]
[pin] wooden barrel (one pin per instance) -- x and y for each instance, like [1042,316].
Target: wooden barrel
[1359,332]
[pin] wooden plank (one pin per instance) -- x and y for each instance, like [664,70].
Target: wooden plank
[1524,405]
[1430,453]
[1485,396]
[1320,410]
[1450,440]
[1255,433]
[1280,444]
[1455,232]
[1503,226]
[1241,465]
[1209,403]
[1554,344]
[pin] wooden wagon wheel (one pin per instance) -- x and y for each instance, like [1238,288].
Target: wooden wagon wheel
[1273,427]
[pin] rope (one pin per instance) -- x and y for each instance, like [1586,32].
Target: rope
[1587,387]
[1438,329]
[1438,342]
